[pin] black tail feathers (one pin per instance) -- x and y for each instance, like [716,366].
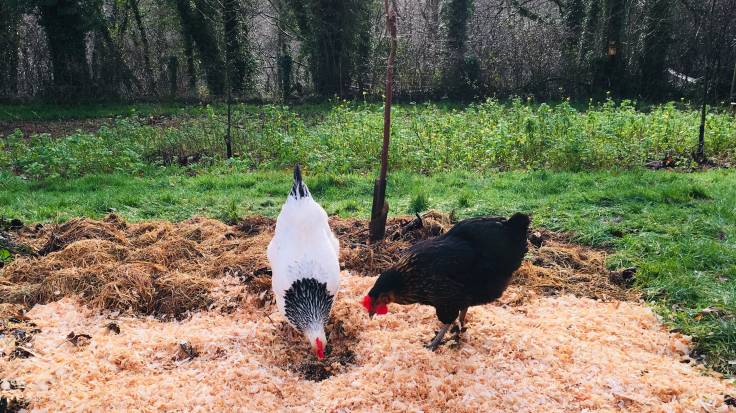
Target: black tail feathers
[297,174]
[299,189]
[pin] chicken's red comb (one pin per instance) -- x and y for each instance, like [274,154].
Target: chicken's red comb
[320,351]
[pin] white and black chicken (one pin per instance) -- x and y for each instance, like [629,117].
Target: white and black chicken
[304,256]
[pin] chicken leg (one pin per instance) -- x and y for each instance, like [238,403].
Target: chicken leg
[438,338]
[463,313]
[459,330]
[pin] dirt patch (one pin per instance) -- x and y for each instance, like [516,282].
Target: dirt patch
[554,265]
[54,128]
[61,128]
[292,353]
[288,349]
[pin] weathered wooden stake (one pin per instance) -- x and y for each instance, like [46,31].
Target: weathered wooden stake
[379,212]
[733,90]
[699,155]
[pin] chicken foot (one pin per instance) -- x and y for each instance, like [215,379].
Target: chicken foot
[438,338]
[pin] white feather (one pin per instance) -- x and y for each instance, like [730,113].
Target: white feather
[303,246]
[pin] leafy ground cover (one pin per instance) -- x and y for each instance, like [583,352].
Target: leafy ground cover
[346,137]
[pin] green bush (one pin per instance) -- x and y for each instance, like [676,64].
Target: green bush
[425,138]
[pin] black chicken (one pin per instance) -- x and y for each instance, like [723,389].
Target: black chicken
[469,265]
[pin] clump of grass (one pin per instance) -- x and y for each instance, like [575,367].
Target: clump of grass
[419,203]
[229,214]
[463,201]
[5,256]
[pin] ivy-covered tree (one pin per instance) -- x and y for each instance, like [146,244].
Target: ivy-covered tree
[610,74]
[462,71]
[331,30]
[66,23]
[238,59]
[198,20]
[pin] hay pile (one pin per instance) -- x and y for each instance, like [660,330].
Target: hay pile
[168,269]
[554,354]
[147,268]
[555,266]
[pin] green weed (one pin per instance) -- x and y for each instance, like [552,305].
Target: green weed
[419,203]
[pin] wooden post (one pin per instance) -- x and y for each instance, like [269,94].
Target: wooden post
[228,84]
[732,95]
[173,76]
[229,138]
[379,212]
[699,155]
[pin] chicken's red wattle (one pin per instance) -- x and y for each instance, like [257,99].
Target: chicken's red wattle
[367,302]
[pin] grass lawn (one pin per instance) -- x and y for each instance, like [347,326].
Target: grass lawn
[678,229]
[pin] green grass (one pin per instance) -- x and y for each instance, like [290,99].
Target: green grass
[679,230]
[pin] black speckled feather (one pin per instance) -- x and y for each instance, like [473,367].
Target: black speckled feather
[306,302]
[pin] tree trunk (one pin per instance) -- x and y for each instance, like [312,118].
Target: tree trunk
[189,55]
[329,52]
[285,63]
[433,19]
[732,95]
[330,31]
[150,78]
[9,44]
[573,14]
[195,25]
[699,155]
[654,51]
[588,39]
[457,16]
[609,76]
[65,31]
[363,46]
[115,72]
[173,68]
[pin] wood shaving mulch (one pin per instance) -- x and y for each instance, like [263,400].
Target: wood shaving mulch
[552,354]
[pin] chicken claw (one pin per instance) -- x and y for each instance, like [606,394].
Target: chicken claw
[438,338]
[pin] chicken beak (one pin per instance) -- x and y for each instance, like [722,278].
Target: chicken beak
[371,313]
